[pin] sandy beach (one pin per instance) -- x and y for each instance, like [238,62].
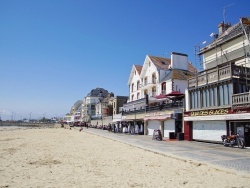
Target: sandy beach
[58,157]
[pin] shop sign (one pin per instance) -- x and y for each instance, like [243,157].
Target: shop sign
[210,112]
[157,114]
[241,111]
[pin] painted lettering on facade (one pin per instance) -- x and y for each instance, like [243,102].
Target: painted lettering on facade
[152,114]
[209,112]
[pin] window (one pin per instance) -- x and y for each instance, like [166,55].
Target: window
[138,95]
[198,99]
[221,98]
[225,94]
[145,81]
[192,100]
[212,97]
[154,78]
[203,99]
[195,99]
[138,85]
[208,97]
[230,91]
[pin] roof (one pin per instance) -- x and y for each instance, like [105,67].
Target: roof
[161,62]
[229,34]
[138,68]
[98,92]
[192,68]
[178,75]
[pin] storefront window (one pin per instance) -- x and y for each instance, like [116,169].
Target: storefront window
[221,98]
[207,98]
[198,99]
[192,100]
[204,98]
[225,91]
[195,99]
[230,91]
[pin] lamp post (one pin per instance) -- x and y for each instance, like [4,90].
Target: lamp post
[135,118]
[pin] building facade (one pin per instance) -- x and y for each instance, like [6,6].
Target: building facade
[217,98]
[149,107]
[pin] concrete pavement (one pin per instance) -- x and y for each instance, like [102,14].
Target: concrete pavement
[197,152]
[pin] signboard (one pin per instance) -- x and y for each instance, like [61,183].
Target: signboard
[210,112]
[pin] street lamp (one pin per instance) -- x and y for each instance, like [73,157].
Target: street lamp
[135,118]
[30,115]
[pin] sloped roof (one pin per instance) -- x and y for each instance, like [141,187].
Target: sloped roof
[230,33]
[192,68]
[98,92]
[138,68]
[178,74]
[161,62]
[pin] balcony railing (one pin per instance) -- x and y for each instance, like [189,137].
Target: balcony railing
[158,107]
[241,100]
[219,74]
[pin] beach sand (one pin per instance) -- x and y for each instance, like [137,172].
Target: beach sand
[58,157]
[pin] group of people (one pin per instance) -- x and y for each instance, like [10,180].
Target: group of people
[127,128]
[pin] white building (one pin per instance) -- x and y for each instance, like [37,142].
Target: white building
[157,78]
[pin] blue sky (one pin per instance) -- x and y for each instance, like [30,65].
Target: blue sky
[53,52]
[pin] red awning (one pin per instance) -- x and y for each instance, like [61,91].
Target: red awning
[161,96]
[175,94]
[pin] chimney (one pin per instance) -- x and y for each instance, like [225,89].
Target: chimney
[223,27]
[179,61]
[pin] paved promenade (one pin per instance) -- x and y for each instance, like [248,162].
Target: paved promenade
[208,153]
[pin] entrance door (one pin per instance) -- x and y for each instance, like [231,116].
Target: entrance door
[240,131]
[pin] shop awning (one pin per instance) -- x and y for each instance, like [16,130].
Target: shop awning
[239,116]
[175,94]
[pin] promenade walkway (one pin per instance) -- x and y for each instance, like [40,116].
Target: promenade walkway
[199,152]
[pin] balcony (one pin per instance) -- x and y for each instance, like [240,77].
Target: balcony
[218,74]
[147,85]
[157,107]
[241,100]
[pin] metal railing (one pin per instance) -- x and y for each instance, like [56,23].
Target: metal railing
[158,107]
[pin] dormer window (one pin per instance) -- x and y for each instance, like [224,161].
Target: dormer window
[164,63]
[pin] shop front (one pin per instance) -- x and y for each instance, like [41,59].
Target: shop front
[209,125]
[166,121]
[133,124]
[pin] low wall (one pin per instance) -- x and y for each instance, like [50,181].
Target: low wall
[25,124]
